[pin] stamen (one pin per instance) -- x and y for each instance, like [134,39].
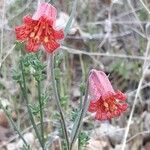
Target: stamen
[112,108]
[46,40]
[32,34]
[36,28]
[37,38]
[105,104]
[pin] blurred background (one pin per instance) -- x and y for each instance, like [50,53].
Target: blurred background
[108,35]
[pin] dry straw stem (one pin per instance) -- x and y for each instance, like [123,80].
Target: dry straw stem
[2,29]
[21,10]
[132,8]
[7,54]
[145,6]
[75,51]
[145,67]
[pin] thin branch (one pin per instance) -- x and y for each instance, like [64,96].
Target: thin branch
[136,98]
[75,51]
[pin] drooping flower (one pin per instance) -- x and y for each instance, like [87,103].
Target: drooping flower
[40,29]
[106,103]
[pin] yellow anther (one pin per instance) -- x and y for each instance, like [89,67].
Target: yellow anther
[37,38]
[46,39]
[35,28]
[112,108]
[32,34]
[106,104]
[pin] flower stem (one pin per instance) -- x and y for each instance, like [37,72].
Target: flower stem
[78,122]
[79,138]
[41,111]
[63,124]
[13,124]
[24,92]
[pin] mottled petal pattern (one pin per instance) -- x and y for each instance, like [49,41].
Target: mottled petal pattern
[99,84]
[51,46]
[47,10]
[32,45]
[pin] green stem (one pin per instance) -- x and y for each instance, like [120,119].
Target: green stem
[41,111]
[78,122]
[13,124]
[24,92]
[57,99]
[79,140]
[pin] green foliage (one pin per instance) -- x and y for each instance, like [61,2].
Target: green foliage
[142,14]
[84,138]
[59,59]
[58,73]
[35,108]
[63,100]
[82,87]
[74,114]
[35,66]
[17,75]
[25,147]
[126,69]
[32,65]
[19,46]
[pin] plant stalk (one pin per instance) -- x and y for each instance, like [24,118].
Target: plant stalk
[41,111]
[24,92]
[57,99]
[78,122]
[14,126]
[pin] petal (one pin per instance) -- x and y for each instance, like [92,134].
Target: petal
[28,20]
[59,34]
[32,45]
[109,115]
[21,33]
[45,9]
[93,106]
[116,113]
[100,116]
[51,46]
[108,95]
[99,83]
[121,96]
[93,88]
[123,107]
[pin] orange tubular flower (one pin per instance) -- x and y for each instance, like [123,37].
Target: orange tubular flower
[40,29]
[107,103]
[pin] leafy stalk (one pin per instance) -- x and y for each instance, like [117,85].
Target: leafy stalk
[24,92]
[78,122]
[57,99]
[41,111]
[14,126]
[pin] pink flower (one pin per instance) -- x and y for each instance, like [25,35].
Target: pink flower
[106,103]
[40,30]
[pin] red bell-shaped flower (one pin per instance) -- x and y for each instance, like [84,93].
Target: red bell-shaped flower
[40,29]
[106,103]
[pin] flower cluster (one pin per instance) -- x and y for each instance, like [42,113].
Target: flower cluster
[40,29]
[106,102]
